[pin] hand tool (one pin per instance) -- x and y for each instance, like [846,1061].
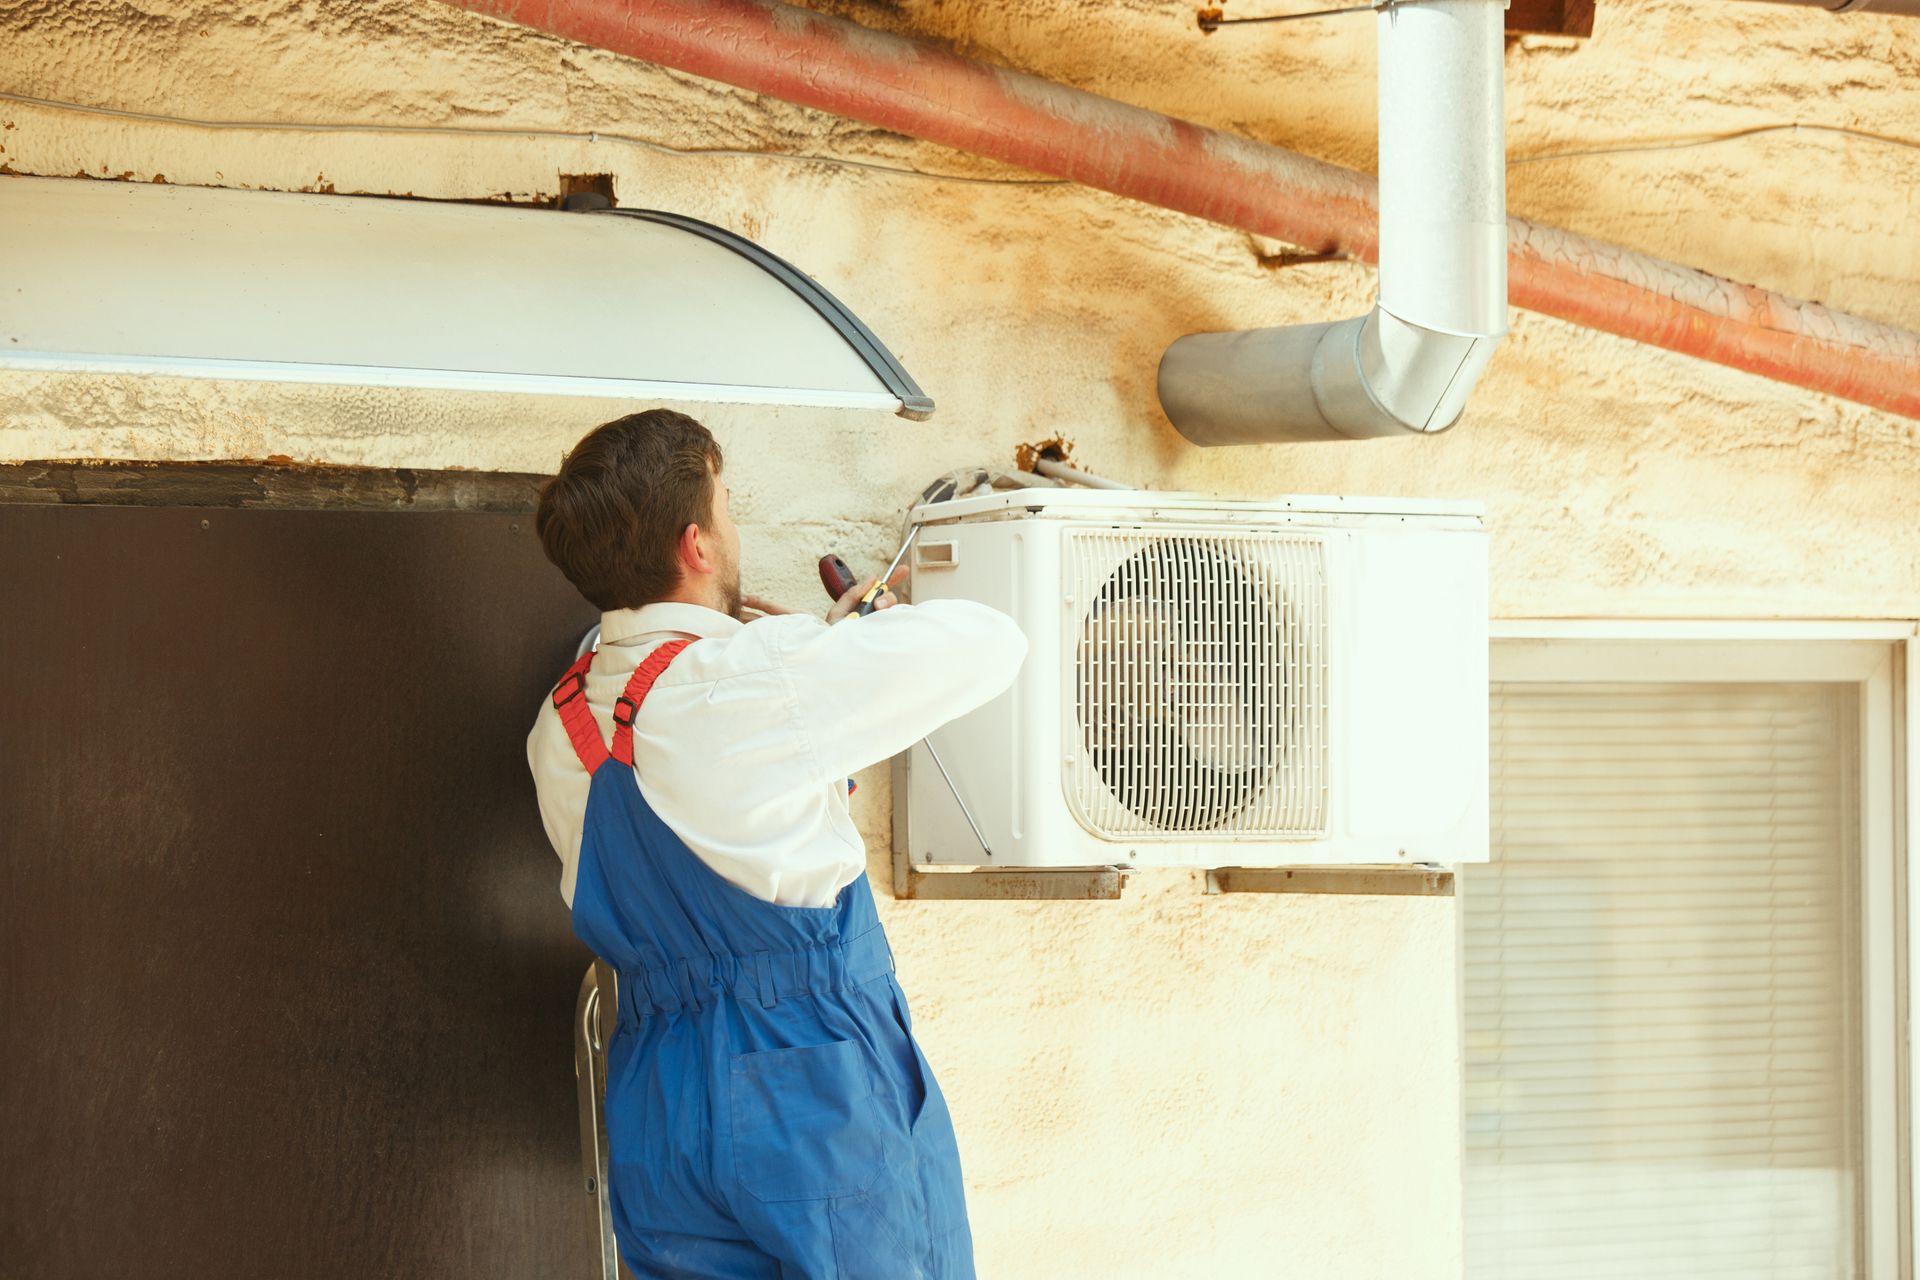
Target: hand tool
[836,577]
[835,573]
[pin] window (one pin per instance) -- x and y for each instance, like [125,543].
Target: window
[1680,968]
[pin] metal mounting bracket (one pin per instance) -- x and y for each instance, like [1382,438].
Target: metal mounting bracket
[1092,884]
[1419,880]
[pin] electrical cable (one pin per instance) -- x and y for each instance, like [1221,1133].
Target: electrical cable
[1681,144]
[568,135]
[597,135]
[1212,20]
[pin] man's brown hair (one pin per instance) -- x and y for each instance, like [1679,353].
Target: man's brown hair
[611,519]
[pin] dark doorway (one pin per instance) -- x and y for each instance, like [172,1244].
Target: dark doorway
[286,984]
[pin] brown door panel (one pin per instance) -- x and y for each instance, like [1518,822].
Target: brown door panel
[287,980]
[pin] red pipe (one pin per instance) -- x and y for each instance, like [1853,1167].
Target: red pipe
[909,87]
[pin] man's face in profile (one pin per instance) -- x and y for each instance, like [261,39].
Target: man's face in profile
[726,538]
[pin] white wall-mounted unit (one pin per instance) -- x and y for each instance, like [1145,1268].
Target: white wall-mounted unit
[1211,682]
[267,286]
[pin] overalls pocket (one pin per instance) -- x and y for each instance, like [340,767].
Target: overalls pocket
[803,1121]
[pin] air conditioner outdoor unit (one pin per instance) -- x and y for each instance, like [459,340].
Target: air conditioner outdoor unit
[1211,683]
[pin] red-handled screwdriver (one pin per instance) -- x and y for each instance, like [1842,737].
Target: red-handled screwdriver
[838,579]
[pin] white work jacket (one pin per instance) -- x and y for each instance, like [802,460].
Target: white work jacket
[746,742]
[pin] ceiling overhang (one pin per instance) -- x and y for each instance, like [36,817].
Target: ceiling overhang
[135,278]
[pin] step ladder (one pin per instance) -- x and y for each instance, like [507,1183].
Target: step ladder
[593,1021]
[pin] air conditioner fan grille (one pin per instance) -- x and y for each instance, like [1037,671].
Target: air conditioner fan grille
[1199,672]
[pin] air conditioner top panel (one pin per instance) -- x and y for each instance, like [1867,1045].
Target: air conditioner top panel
[1130,504]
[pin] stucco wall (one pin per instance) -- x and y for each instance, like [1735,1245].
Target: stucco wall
[1172,1085]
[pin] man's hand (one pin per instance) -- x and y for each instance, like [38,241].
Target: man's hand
[885,600]
[752,607]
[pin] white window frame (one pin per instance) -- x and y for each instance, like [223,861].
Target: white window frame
[1883,660]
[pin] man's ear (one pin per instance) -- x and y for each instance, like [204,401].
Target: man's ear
[694,558]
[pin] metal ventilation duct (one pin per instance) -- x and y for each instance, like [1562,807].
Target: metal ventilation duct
[1409,365]
[117,277]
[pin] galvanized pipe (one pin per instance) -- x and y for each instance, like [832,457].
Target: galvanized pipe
[901,84]
[1410,364]
[1073,475]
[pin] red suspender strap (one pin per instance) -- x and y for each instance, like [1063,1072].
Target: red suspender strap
[570,700]
[629,704]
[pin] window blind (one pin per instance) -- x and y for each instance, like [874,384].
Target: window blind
[1660,986]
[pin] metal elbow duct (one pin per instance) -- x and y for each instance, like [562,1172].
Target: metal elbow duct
[1409,365]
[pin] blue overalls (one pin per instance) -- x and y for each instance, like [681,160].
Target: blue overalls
[768,1112]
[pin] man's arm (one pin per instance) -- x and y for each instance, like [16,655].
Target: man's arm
[865,689]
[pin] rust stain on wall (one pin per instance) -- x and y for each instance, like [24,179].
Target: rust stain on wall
[1052,449]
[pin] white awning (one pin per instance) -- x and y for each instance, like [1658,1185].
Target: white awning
[119,277]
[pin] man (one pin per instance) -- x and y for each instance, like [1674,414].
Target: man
[768,1112]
